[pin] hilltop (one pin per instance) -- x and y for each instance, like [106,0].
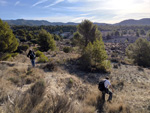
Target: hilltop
[144,21]
[129,22]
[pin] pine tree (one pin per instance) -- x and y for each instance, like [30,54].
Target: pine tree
[8,41]
[87,56]
[95,55]
[88,31]
[46,41]
[139,52]
[99,53]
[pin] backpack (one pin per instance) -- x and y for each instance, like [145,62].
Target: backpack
[101,86]
[32,55]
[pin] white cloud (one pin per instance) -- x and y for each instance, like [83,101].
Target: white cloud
[108,11]
[58,18]
[17,3]
[79,19]
[3,2]
[39,2]
[72,1]
[56,2]
[118,10]
[85,14]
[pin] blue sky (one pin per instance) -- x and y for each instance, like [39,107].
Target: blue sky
[104,11]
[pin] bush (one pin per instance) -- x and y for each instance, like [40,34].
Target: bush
[95,56]
[14,54]
[42,59]
[139,52]
[8,41]
[46,41]
[24,47]
[56,37]
[67,49]
[30,99]
[105,66]
[5,56]
[38,53]
[50,66]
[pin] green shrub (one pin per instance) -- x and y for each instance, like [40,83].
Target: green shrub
[24,47]
[38,53]
[14,54]
[8,41]
[42,59]
[46,41]
[95,56]
[56,37]
[139,52]
[105,66]
[67,49]
[6,56]
[35,48]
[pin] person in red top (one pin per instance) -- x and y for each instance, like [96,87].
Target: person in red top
[107,86]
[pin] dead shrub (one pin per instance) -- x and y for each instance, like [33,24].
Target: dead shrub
[29,100]
[50,67]
[57,104]
[81,93]
[15,80]
[116,108]
[118,85]
[94,101]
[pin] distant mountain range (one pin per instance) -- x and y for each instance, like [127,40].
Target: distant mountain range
[144,21]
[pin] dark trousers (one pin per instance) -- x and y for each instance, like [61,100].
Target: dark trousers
[108,92]
[33,62]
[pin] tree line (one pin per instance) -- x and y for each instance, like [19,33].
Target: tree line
[87,36]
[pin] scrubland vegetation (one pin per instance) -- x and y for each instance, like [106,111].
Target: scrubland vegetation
[69,67]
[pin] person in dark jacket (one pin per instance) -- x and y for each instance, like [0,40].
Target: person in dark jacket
[107,86]
[32,57]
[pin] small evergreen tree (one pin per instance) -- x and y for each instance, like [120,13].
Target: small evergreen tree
[93,50]
[87,57]
[99,53]
[8,42]
[46,41]
[94,55]
[88,31]
[139,52]
[77,40]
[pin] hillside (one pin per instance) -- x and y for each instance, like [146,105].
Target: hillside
[144,21]
[36,22]
[67,84]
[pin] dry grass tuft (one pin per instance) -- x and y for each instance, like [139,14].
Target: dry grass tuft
[50,67]
[57,104]
[22,77]
[116,108]
[26,102]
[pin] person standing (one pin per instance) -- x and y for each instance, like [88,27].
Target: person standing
[32,57]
